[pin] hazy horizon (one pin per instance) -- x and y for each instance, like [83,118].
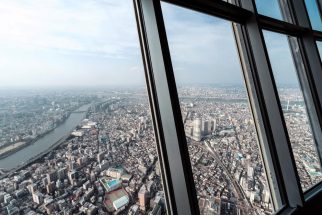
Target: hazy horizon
[62,43]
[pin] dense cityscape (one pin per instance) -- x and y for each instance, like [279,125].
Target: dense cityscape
[225,156]
[108,164]
[24,118]
[229,175]
[301,138]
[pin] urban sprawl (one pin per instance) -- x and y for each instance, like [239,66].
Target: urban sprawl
[109,162]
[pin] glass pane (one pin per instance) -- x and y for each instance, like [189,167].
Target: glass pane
[269,8]
[314,14]
[294,109]
[319,44]
[230,1]
[226,161]
[76,135]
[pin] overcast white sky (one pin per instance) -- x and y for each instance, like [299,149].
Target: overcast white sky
[95,43]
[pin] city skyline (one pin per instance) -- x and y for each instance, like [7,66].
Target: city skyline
[81,132]
[117,132]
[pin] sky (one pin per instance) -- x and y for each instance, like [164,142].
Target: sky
[314,15]
[69,43]
[95,43]
[202,47]
[269,8]
[281,60]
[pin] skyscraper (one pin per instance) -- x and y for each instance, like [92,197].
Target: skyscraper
[204,128]
[197,132]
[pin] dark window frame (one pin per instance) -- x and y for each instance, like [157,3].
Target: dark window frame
[274,142]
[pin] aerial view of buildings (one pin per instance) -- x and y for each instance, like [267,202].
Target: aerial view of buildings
[108,164]
[26,118]
[301,137]
[229,173]
[146,107]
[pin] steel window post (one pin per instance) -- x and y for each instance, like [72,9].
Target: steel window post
[163,95]
[267,153]
[303,68]
[218,8]
[291,188]
[261,87]
[314,69]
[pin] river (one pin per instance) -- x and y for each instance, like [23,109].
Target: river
[44,143]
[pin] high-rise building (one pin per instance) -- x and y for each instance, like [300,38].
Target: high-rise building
[38,198]
[197,132]
[32,188]
[51,187]
[93,176]
[250,171]
[72,176]
[143,198]
[61,173]
[189,131]
[266,196]
[212,126]
[205,128]
[52,176]
[100,157]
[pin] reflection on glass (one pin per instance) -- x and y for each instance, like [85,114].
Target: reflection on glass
[319,44]
[314,14]
[269,8]
[226,162]
[76,135]
[294,109]
[229,1]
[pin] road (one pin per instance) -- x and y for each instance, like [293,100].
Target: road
[240,192]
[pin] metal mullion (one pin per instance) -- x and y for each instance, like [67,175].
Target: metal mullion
[312,59]
[302,68]
[167,186]
[280,145]
[217,8]
[299,10]
[272,168]
[285,10]
[317,35]
[276,25]
[240,15]
[306,86]
[167,115]
[270,164]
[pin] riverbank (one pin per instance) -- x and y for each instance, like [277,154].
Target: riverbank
[43,145]
[12,151]
[37,157]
